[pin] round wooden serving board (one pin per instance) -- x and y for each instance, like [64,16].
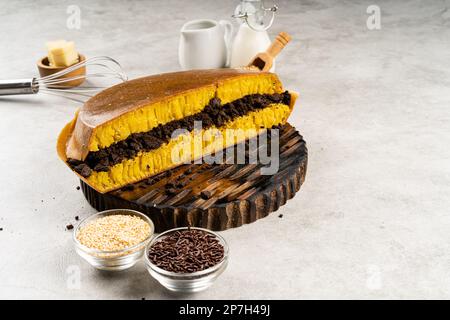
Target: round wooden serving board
[218,196]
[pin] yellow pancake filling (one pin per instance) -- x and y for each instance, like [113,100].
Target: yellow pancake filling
[190,146]
[174,108]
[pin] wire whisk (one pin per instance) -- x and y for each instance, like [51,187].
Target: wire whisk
[105,72]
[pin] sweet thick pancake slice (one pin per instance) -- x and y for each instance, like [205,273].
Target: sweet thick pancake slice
[142,127]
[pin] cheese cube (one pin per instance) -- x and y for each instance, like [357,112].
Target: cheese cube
[62,53]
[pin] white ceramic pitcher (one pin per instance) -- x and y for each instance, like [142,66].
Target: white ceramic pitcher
[204,44]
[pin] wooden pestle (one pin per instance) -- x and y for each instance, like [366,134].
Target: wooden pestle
[264,60]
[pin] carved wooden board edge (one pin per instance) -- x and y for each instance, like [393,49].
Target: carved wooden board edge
[235,194]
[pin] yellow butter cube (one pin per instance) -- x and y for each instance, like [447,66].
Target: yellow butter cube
[62,53]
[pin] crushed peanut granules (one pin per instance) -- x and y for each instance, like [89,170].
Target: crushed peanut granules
[114,232]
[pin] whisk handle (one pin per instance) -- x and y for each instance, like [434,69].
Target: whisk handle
[18,86]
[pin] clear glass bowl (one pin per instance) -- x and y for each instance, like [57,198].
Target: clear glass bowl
[113,260]
[187,282]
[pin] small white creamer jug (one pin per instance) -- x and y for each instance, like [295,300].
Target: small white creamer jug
[204,44]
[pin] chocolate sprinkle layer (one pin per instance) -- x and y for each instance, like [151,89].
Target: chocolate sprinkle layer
[214,114]
[186,251]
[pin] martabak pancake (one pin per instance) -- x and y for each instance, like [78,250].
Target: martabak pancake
[124,133]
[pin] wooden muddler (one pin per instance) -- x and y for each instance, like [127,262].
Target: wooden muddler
[264,60]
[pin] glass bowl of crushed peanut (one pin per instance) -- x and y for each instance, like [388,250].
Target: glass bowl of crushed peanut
[113,239]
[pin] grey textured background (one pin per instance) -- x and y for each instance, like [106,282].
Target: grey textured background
[372,219]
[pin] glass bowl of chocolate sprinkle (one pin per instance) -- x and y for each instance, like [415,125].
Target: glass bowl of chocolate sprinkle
[186,259]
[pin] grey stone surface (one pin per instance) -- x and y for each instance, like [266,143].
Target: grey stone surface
[372,219]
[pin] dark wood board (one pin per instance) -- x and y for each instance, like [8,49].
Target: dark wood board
[217,196]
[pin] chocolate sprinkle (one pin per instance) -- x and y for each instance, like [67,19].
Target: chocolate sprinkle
[214,114]
[128,187]
[205,195]
[171,191]
[69,227]
[83,169]
[187,251]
